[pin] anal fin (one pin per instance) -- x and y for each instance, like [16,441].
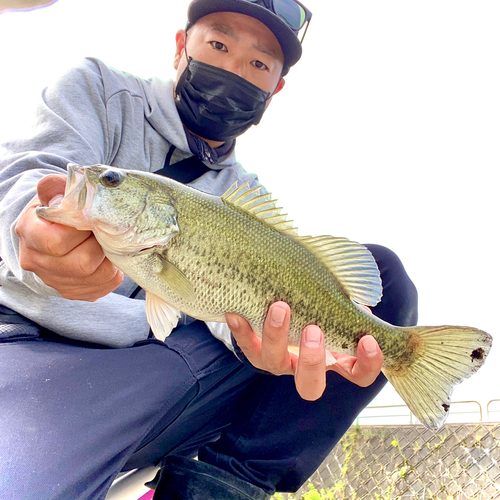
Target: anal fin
[329,357]
[162,317]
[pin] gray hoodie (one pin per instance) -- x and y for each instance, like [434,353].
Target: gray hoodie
[92,115]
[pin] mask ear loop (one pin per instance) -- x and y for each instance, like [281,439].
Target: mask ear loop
[188,59]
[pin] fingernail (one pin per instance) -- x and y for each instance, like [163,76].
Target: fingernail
[313,337]
[232,322]
[371,347]
[277,316]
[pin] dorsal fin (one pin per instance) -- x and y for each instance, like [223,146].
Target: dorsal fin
[351,263]
[261,206]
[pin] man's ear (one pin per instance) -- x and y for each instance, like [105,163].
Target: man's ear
[280,86]
[180,45]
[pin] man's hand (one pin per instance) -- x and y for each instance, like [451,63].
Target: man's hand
[68,260]
[271,353]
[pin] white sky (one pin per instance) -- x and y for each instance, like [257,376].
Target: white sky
[386,132]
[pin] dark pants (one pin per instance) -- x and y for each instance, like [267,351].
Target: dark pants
[73,415]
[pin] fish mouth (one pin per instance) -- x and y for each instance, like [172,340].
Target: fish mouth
[76,187]
[82,185]
[77,198]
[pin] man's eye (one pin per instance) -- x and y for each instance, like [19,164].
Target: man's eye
[218,46]
[259,65]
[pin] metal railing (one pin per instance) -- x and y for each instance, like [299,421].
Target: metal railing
[489,412]
[401,414]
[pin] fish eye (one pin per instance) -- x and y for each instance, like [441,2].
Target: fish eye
[111,178]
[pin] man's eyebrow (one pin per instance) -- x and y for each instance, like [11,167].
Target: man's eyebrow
[224,29]
[266,50]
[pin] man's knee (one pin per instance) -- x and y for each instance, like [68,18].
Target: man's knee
[399,304]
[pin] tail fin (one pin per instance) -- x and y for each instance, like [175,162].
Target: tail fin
[444,356]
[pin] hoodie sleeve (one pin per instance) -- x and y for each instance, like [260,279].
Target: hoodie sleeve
[70,126]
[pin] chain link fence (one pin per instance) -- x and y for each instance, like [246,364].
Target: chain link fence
[403,462]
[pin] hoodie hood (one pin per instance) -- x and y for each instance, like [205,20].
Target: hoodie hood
[164,118]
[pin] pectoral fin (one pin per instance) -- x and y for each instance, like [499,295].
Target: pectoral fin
[175,279]
[162,317]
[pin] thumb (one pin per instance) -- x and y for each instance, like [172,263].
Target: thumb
[51,189]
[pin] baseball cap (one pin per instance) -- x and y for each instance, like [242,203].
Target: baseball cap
[285,18]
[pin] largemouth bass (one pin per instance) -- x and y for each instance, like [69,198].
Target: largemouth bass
[207,255]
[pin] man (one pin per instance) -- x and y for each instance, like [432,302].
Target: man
[74,409]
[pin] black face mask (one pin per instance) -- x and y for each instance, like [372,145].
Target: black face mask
[216,104]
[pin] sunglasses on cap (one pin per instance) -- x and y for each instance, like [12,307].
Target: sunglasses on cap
[291,12]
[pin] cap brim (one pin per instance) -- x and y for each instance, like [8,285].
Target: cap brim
[290,44]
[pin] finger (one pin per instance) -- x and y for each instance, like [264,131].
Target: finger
[50,189]
[102,282]
[47,237]
[62,240]
[91,293]
[86,270]
[87,260]
[246,338]
[310,376]
[275,355]
[81,262]
[369,362]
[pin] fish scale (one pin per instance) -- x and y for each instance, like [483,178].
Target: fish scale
[265,279]
[207,256]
